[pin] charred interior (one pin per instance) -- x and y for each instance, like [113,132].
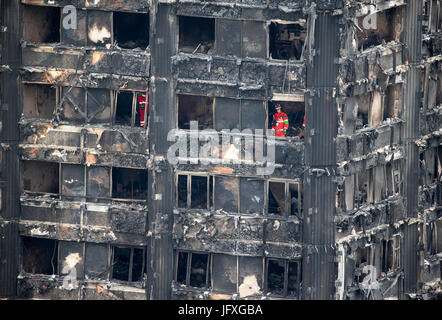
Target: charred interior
[220,150]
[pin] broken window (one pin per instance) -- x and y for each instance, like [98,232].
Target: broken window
[98,183]
[393,101]
[128,264]
[96,262]
[73,105]
[40,256]
[385,27]
[296,199]
[39,100]
[276,198]
[192,269]
[283,277]
[250,276]
[132,108]
[227,112]
[41,24]
[131,30]
[98,105]
[369,110]
[252,195]
[364,190]
[285,198]
[99,27]
[71,256]
[129,183]
[226,193]
[196,34]
[72,181]
[224,273]
[287,40]
[195,108]
[41,176]
[362,259]
[394,177]
[390,259]
[194,191]
[434,237]
[295,112]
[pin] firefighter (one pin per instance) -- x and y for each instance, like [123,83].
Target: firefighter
[143,103]
[280,122]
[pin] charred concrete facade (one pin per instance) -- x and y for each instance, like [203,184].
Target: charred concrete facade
[351,211]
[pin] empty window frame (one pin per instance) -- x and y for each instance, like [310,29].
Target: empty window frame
[433,12]
[41,24]
[285,198]
[364,187]
[369,110]
[390,259]
[195,108]
[394,177]
[96,262]
[40,256]
[192,269]
[128,264]
[131,108]
[72,181]
[194,191]
[131,30]
[129,183]
[362,258]
[97,183]
[385,27]
[295,112]
[283,277]
[196,34]
[39,100]
[40,176]
[287,40]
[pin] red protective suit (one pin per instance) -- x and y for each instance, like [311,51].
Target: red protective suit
[282,124]
[143,104]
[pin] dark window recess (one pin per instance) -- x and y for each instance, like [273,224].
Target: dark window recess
[123,113]
[287,40]
[131,30]
[129,183]
[199,270]
[295,112]
[181,273]
[199,193]
[41,176]
[276,198]
[387,255]
[362,256]
[393,101]
[41,24]
[275,277]
[182,191]
[195,108]
[196,34]
[128,264]
[96,262]
[40,255]
[388,27]
[38,101]
[296,199]
[293,278]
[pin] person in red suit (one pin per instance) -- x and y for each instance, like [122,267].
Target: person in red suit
[280,122]
[143,104]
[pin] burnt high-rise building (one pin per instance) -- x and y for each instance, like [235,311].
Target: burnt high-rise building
[110,190]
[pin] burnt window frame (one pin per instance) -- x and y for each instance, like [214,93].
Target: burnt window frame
[283,99]
[56,89]
[55,256]
[189,268]
[130,272]
[134,110]
[209,195]
[285,22]
[286,262]
[287,203]
[179,47]
[54,195]
[390,246]
[177,111]
[60,23]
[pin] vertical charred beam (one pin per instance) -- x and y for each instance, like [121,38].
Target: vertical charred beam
[413,42]
[10,182]
[321,131]
[161,120]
